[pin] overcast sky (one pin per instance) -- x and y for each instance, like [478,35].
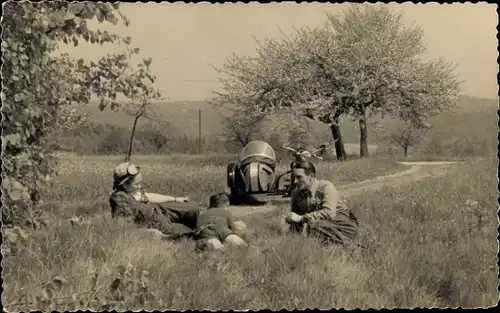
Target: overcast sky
[185,39]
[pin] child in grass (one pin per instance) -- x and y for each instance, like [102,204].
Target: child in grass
[216,228]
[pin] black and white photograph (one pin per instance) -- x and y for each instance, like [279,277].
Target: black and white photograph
[249,156]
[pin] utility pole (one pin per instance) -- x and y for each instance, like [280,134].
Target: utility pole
[199,131]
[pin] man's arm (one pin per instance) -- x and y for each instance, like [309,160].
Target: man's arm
[294,199]
[294,214]
[328,205]
[156,198]
[230,220]
[234,224]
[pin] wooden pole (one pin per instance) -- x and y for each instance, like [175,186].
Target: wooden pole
[199,132]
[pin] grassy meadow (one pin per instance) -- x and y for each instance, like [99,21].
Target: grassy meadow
[431,244]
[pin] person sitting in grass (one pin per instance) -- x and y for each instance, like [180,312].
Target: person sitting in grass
[216,228]
[316,209]
[150,210]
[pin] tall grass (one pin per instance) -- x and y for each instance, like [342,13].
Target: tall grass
[426,245]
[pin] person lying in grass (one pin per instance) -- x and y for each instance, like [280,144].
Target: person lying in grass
[215,226]
[316,209]
[149,210]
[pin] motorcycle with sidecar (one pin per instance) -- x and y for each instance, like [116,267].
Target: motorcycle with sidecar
[252,178]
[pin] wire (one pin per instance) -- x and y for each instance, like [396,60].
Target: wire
[194,81]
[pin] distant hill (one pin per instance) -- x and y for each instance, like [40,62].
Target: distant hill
[184,117]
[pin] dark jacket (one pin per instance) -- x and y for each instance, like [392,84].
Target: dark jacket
[170,218]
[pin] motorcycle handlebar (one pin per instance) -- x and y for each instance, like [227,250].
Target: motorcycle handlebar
[312,153]
[288,148]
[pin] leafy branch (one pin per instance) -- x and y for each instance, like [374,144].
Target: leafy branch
[40,89]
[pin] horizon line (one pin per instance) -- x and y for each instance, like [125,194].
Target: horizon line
[94,101]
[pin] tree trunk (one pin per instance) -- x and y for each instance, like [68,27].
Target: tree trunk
[406,152]
[363,135]
[339,144]
[129,153]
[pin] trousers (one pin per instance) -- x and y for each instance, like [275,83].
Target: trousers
[341,230]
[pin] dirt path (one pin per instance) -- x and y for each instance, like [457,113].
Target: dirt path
[416,172]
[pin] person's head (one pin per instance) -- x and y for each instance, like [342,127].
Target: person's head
[304,173]
[218,200]
[127,177]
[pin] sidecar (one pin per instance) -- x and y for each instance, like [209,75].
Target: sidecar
[252,177]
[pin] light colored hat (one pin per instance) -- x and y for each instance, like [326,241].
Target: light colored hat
[126,171]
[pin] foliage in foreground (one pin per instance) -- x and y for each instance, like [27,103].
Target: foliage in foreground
[38,85]
[430,244]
